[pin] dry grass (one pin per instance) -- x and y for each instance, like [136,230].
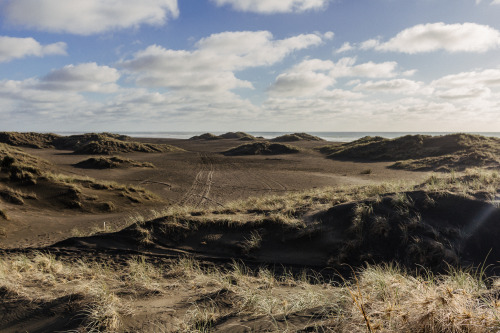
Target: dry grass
[383,298]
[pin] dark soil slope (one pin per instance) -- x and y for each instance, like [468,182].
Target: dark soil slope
[423,152]
[261,148]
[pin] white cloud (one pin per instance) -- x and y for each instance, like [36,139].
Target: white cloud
[273,6]
[392,86]
[13,48]
[488,77]
[89,16]
[61,87]
[83,77]
[468,85]
[313,77]
[467,37]
[465,93]
[345,48]
[212,65]
[496,2]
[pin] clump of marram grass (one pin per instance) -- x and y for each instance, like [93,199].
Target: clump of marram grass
[387,299]
[379,299]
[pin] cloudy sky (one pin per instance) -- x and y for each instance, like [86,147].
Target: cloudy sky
[252,65]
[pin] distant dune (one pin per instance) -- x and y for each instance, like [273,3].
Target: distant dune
[423,152]
[261,148]
[229,135]
[297,137]
[91,143]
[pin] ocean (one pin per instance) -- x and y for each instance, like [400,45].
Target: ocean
[329,136]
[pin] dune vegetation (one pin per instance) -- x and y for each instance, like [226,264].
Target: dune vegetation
[358,287]
[261,148]
[90,143]
[229,135]
[423,152]
[27,178]
[297,137]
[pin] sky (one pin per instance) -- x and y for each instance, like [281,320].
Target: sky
[250,65]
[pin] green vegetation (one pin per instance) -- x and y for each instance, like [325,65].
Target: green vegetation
[423,152]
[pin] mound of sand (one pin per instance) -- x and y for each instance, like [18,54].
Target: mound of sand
[29,139]
[73,142]
[297,137]
[19,166]
[229,135]
[109,146]
[30,180]
[414,228]
[111,163]
[261,148]
[90,143]
[423,152]
[237,135]
[206,136]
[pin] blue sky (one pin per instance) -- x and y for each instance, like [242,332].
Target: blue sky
[252,65]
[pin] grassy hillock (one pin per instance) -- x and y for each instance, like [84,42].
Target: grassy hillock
[261,148]
[29,139]
[109,146]
[229,135]
[423,152]
[90,143]
[237,135]
[297,137]
[111,163]
[25,178]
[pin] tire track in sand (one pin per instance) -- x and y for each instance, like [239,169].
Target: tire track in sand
[199,192]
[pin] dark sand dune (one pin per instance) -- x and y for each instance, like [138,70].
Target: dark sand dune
[261,148]
[90,143]
[297,137]
[415,229]
[111,163]
[423,152]
[229,135]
